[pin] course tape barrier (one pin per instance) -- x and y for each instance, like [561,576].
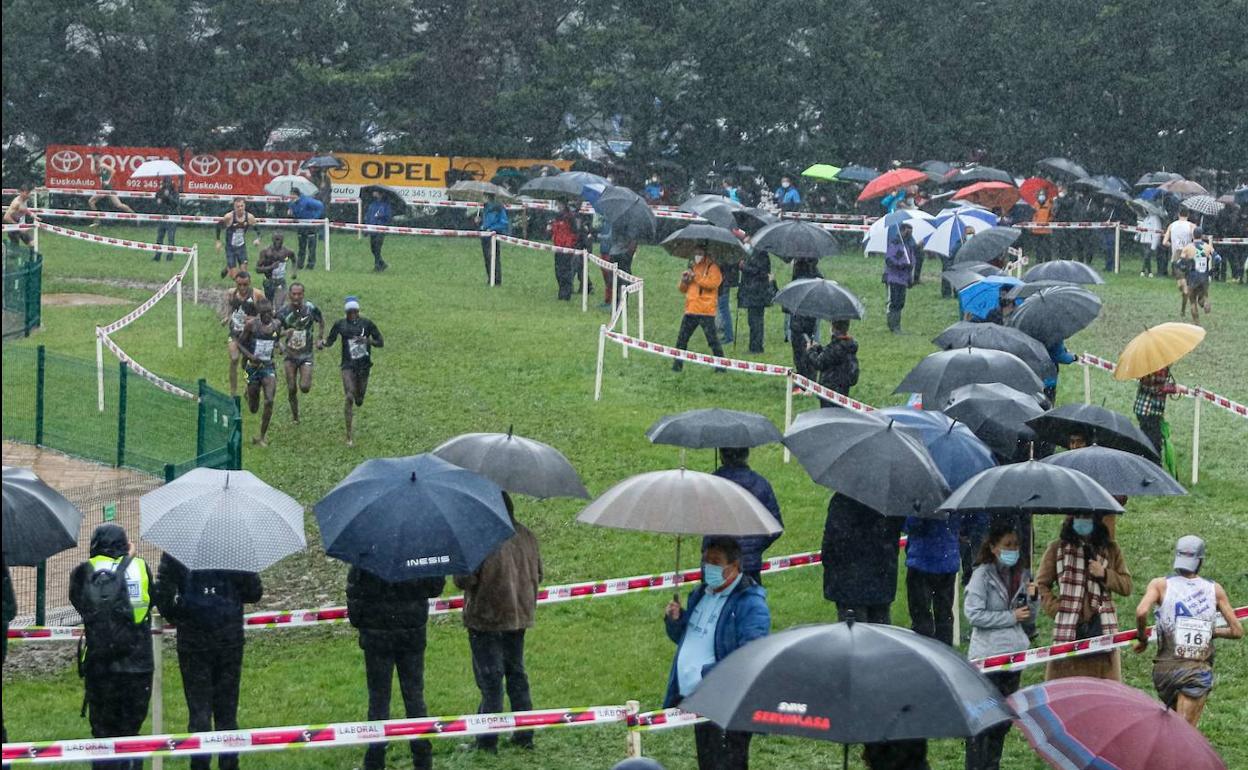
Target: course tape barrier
[138,312]
[138,369]
[179,218]
[333,735]
[21,228]
[1150,231]
[186,196]
[810,386]
[1234,407]
[690,356]
[397,230]
[664,719]
[537,245]
[122,242]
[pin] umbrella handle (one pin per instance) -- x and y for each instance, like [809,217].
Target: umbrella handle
[676,573]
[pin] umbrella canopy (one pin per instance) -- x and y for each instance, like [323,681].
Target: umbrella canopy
[1104,182]
[979,174]
[1147,208]
[1031,186]
[1052,315]
[719,215]
[966,334]
[1095,425]
[713,428]
[38,521]
[1241,196]
[960,279]
[698,202]
[1204,204]
[938,374]
[1156,348]
[984,296]
[824,171]
[792,239]
[1064,270]
[989,244]
[516,464]
[322,161]
[936,170]
[856,173]
[402,518]
[876,239]
[1155,178]
[1182,188]
[718,242]
[994,195]
[891,181]
[1031,487]
[475,192]
[996,413]
[867,458]
[854,682]
[629,214]
[391,195]
[820,298]
[680,502]
[753,219]
[953,226]
[554,187]
[1080,723]
[1121,473]
[158,167]
[282,185]
[982,269]
[1033,287]
[211,519]
[1063,168]
[957,452]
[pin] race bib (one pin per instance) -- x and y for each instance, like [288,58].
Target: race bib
[1201,264]
[264,350]
[298,339]
[237,320]
[238,238]
[1192,638]
[357,348]
[279,272]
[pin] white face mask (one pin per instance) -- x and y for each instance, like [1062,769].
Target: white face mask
[784,185]
[697,259]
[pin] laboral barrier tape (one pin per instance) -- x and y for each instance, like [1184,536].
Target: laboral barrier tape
[397,230]
[1234,407]
[178,218]
[810,386]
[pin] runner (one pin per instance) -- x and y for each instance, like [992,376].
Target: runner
[18,213]
[236,221]
[240,305]
[1178,236]
[257,343]
[105,175]
[272,266]
[297,318]
[1196,263]
[358,335]
[1186,607]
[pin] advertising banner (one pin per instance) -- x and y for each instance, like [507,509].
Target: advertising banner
[485,169]
[77,166]
[238,172]
[419,178]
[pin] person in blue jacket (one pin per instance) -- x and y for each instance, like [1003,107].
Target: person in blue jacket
[736,468]
[933,558]
[1059,355]
[786,196]
[726,612]
[494,219]
[378,213]
[303,206]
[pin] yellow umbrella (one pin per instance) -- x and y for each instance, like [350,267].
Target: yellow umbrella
[1156,348]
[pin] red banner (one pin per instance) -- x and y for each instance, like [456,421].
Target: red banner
[227,172]
[238,172]
[77,166]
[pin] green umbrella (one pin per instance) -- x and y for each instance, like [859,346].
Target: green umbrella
[823,171]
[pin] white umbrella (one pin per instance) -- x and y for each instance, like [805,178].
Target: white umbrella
[159,167]
[225,520]
[951,228]
[281,185]
[876,240]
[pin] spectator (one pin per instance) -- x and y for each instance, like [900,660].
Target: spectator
[700,285]
[947,261]
[932,562]
[207,608]
[735,466]
[378,213]
[1060,356]
[654,191]
[836,362]
[730,191]
[1148,235]
[786,196]
[1041,245]
[1150,405]
[601,227]
[622,252]
[758,288]
[859,557]
[493,219]
[168,202]
[723,306]
[898,272]
[306,207]
[565,234]
[803,329]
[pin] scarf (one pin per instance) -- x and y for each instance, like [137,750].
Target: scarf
[1073,582]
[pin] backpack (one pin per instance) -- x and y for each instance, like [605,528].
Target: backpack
[207,599]
[851,369]
[108,617]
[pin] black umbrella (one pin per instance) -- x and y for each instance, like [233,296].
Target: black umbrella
[820,298]
[1064,270]
[392,195]
[988,245]
[698,202]
[719,215]
[960,279]
[752,219]
[938,374]
[980,269]
[408,517]
[1025,290]
[995,413]
[515,463]
[1052,315]
[979,174]
[38,521]
[1095,425]
[792,239]
[1154,178]
[555,187]
[874,461]
[965,334]
[854,173]
[718,242]
[628,213]
[322,161]
[713,428]
[1121,473]
[1031,487]
[936,170]
[1104,182]
[1063,167]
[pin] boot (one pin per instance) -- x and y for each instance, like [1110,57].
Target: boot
[894,321]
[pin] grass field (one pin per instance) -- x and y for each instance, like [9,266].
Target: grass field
[460,357]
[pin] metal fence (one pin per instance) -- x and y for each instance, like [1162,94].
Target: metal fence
[23,281]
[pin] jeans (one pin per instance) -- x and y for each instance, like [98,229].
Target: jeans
[720,749]
[865,613]
[117,705]
[381,658]
[210,682]
[307,245]
[166,230]
[755,317]
[487,244]
[983,751]
[723,316]
[930,597]
[1151,427]
[499,655]
[687,324]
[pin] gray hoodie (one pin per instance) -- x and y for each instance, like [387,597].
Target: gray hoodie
[989,608]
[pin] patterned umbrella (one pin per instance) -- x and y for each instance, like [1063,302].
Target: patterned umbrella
[1204,204]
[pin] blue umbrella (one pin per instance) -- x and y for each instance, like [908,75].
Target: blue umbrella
[959,454]
[409,517]
[982,297]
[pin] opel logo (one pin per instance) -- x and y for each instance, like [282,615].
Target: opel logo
[66,161]
[339,174]
[205,165]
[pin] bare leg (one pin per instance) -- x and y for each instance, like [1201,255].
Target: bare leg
[253,396]
[305,377]
[234,356]
[348,390]
[1191,708]
[92,203]
[116,201]
[270,389]
[1182,298]
[292,391]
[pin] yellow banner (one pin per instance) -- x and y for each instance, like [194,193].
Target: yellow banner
[485,169]
[391,170]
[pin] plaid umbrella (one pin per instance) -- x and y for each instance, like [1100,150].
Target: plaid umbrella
[1204,204]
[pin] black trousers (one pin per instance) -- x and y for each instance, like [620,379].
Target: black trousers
[374,244]
[930,597]
[117,705]
[720,749]
[169,230]
[1151,426]
[486,243]
[499,656]
[210,682]
[801,327]
[868,613]
[690,322]
[307,245]
[755,317]
[946,288]
[918,268]
[896,301]
[564,272]
[983,751]
[381,659]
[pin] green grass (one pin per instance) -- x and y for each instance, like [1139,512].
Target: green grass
[461,358]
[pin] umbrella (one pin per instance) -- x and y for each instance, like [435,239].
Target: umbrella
[989,244]
[38,521]
[1031,487]
[514,463]
[891,181]
[629,214]
[1147,208]
[823,171]
[960,279]
[282,185]
[1155,178]
[876,239]
[1204,204]
[957,452]
[1121,473]
[936,170]
[1064,270]
[222,520]
[792,239]
[1096,424]
[720,216]
[322,161]
[1031,186]
[1062,167]
[158,167]
[545,169]
[981,269]
[984,296]
[996,413]
[1241,196]
[979,174]
[964,334]
[712,429]
[1081,723]
[1105,182]
[1157,347]
[1182,188]
[753,219]
[994,195]
[849,682]
[718,242]
[951,230]
[1033,287]
[556,187]
[869,459]
[697,203]
[1054,314]
[393,196]
[402,518]
[820,298]
[938,374]
[855,173]
[475,192]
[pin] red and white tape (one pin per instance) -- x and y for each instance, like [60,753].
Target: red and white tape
[1234,407]
[690,356]
[537,245]
[186,196]
[396,230]
[21,228]
[624,277]
[1065,225]
[840,399]
[180,218]
[664,719]
[138,369]
[122,242]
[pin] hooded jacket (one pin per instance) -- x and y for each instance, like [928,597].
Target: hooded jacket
[859,553]
[196,632]
[702,292]
[110,540]
[744,618]
[390,613]
[899,259]
[833,362]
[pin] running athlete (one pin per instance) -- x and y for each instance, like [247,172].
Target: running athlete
[258,344]
[297,318]
[18,212]
[1186,607]
[105,175]
[272,266]
[1196,263]
[240,306]
[359,335]
[236,222]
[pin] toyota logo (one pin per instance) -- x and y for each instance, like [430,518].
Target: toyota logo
[66,161]
[205,165]
[340,174]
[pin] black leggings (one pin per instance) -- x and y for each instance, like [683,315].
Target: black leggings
[691,322]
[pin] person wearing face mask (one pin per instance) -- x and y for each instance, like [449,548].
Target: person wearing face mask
[1078,575]
[786,196]
[1040,236]
[726,612]
[999,603]
[700,285]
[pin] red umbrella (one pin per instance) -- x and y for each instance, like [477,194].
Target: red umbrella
[1080,722]
[893,180]
[993,195]
[1028,189]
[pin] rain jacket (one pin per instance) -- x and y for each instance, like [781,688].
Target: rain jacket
[755,285]
[1059,355]
[564,231]
[307,207]
[752,546]
[378,213]
[110,540]
[702,293]
[932,545]
[859,553]
[788,199]
[745,617]
[899,259]
[832,361]
[989,608]
[390,614]
[494,218]
[196,632]
[502,594]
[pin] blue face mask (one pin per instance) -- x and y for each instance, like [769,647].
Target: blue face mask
[1008,558]
[1083,527]
[713,576]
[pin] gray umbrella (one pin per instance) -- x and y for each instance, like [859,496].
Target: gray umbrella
[514,463]
[628,213]
[222,520]
[1063,167]
[936,170]
[718,242]
[792,239]
[978,268]
[753,219]
[712,429]
[979,174]
[1095,425]
[960,279]
[876,462]
[965,334]
[820,298]
[988,245]
[476,192]
[556,187]
[997,414]
[1121,473]
[1154,178]
[1031,487]
[856,173]
[1064,270]
[38,521]
[938,374]
[1025,290]
[719,215]
[1055,314]
[698,202]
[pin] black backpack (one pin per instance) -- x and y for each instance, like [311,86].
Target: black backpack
[207,599]
[108,617]
[851,369]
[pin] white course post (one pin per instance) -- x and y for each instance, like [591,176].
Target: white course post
[99,368]
[359,217]
[602,349]
[195,273]
[788,408]
[615,289]
[1117,246]
[1196,437]
[158,685]
[584,281]
[624,314]
[179,306]
[493,258]
[327,244]
[1087,384]
[641,310]
[633,708]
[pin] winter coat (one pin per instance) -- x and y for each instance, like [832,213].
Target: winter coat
[755,283]
[732,277]
[989,608]
[932,545]
[502,594]
[378,213]
[387,612]
[1058,354]
[702,291]
[307,207]
[168,199]
[494,218]
[195,632]
[788,199]
[859,553]
[745,617]
[834,362]
[752,546]
[899,260]
[110,540]
[565,230]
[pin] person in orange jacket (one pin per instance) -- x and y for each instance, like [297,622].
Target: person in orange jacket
[700,285]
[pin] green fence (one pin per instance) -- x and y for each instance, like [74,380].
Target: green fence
[23,281]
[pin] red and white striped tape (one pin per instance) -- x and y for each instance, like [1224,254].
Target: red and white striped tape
[1234,407]
[664,719]
[122,242]
[1065,225]
[835,227]
[180,218]
[186,196]
[138,369]
[396,230]
[627,278]
[19,228]
[840,399]
[690,356]
[537,245]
